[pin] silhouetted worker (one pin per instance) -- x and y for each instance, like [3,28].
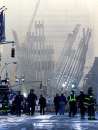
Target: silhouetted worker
[90,102]
[56,103]
[31,102]
[81,104]
[72,104]
[42,103]
[62,103]
[18,100]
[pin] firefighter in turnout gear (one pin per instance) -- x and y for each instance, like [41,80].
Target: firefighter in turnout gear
[72,104]
[90,104]
[81,104]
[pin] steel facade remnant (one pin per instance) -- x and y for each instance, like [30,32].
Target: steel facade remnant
[72,70]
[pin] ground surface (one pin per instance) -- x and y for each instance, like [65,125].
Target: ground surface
[46,122]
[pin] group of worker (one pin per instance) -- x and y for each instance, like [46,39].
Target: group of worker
[83,103]
[27,104]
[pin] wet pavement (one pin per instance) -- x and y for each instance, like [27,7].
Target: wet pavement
[46,122]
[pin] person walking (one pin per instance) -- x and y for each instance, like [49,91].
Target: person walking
[56,103]
[42,103]
[90,103]
[18,100]
[62,103]
[81,104]
[31,99]
[72,104]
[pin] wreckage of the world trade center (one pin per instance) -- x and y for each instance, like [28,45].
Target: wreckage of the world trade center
[37,65]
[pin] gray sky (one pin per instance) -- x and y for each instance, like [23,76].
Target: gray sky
[59,16]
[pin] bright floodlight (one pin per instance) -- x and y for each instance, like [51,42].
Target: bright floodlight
[25,94]
[73,86]
[63,85]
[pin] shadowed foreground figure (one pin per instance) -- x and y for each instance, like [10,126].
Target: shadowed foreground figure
[31,99]
[72,104]
[62,103]
[56,103]
[42,103]
[90,103]
[81,104]
[18,100]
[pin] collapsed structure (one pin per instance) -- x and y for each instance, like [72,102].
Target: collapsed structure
[70,67]
[35,59]
[36,62]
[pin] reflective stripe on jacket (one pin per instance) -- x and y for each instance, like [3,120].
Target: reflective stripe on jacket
[89,100]
[72,98]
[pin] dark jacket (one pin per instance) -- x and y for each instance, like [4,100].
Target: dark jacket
[32,99]
[42,101]
[81,100]
[18,100]
[62,98]
[90,100]
[56,100]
